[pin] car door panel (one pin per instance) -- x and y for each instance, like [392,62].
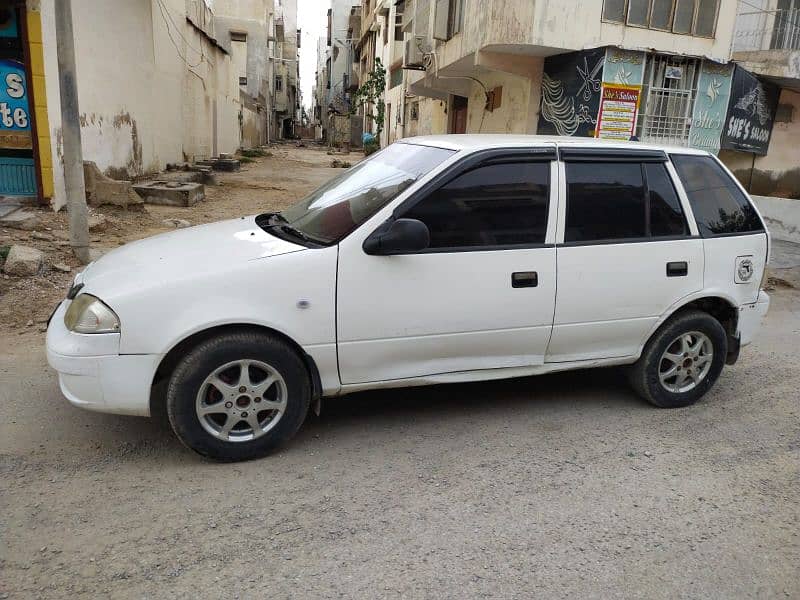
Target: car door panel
[424,314]
[609,296]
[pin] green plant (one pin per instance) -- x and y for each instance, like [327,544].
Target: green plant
[4,250]
[371,92]
[252,152]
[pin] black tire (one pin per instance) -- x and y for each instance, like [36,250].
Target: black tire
[211,354]
[644,374]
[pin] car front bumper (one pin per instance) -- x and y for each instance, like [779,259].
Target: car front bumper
[751,317]
[93,375]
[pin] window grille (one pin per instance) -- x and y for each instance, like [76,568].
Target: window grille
[666,114]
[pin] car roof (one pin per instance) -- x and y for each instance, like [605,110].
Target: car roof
[478,141]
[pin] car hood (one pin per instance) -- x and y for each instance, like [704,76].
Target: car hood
[193,251]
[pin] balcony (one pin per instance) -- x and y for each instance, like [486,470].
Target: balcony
[777,30]
[768,43]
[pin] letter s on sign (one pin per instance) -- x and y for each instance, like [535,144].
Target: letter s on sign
[14,87]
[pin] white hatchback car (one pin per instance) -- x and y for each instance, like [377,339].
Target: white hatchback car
[438,259]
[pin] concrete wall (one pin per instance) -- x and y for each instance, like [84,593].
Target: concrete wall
[782,217]
[520,103]
[143,101]
[777,173]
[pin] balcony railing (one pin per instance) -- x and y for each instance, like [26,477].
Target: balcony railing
[776,30]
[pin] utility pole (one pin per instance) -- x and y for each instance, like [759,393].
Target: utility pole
[71,133]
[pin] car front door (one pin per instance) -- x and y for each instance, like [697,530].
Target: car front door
[626,256]
[481,296]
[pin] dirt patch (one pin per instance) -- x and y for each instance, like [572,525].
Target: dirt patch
[270,182]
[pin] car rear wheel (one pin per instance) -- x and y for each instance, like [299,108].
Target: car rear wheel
[682,360]
[238,396]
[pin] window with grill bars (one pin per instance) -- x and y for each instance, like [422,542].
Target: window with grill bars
[666,112]
[690,17]
[398,21]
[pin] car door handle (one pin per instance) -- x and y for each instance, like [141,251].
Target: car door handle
[677,269]
[522,279]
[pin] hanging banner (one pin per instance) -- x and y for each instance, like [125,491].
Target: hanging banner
[710,105]
[751,113]
[571,93]
[619,108]
[15,122]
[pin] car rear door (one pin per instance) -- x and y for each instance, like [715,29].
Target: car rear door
[480,297]
[626,252]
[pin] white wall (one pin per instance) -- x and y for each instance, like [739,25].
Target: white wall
[143,102]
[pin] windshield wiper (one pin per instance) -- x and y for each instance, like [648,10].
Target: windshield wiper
[279,222]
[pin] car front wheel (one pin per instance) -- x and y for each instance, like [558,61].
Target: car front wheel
[682,360]
[238,396]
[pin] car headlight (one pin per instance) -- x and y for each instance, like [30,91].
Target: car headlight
[88,314]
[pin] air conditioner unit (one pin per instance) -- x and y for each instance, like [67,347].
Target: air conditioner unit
[413,56]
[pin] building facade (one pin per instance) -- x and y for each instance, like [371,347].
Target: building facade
[159,81]
[286,69]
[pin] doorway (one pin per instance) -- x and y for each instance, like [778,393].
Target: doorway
[458,119]
[18,175]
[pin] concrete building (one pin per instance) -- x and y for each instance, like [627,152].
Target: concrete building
[341,79]
[246,28]
[286,69]
[385,25]
[319,90]
[159,81]
[767,43]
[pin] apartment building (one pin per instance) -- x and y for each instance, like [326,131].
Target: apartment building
[319,90]
[247,28]
[286,70]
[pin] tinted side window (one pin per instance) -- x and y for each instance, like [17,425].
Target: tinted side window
[605,201]
[718,204]
[492,205]
[666,214]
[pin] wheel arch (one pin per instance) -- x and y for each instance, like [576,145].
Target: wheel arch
[719,305]
[168,362]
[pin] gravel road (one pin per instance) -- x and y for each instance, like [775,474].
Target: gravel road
[559,486]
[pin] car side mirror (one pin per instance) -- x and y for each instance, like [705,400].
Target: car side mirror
[401,237]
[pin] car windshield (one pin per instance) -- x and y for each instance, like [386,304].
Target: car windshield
[337,208]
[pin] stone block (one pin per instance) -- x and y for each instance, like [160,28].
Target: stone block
[171,193]
[23,261]
[226,164]
[104,190]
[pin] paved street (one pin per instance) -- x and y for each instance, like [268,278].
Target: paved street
[559,486]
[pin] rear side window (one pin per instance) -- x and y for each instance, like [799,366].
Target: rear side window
[718,204]
[491,205]
[621,200]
